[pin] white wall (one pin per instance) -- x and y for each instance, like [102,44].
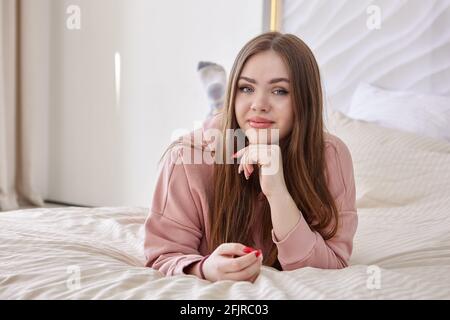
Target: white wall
[409,51]
[103,154]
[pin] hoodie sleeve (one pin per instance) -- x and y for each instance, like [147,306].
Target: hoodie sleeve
[173,229]
[303,247]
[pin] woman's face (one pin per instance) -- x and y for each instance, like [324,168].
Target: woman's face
[263,99]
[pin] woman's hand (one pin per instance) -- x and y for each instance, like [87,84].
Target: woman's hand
[222,264]
[269,160]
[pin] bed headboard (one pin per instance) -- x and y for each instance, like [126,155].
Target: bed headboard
[394,44]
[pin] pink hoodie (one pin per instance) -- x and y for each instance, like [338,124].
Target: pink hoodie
[177,227]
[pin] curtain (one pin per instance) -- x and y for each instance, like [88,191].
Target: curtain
[17,167]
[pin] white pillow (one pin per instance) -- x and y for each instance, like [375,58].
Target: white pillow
[428,115]
[394,168]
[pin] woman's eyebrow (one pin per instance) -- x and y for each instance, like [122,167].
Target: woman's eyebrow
[275,80]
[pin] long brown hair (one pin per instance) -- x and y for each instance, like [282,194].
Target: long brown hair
[232,209]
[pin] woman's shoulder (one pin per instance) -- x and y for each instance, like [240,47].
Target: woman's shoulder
[336,149]
[193,158]
[339,162]
[334,142]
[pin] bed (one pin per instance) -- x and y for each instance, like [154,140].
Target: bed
[402,245]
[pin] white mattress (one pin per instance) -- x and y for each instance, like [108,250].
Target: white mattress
[403,200]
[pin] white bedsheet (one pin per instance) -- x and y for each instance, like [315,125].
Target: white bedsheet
[403,236]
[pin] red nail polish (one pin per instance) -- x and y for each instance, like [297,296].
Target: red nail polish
[258,253]
[248,249]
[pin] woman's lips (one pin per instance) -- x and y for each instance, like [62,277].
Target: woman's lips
[260,125]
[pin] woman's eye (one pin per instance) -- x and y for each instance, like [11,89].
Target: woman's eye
[278,92]
[243,89]
[282,92]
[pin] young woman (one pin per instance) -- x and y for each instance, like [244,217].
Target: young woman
[207,218]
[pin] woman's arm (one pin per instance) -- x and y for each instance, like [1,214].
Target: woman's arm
[173,229]
[299,246]
[285,214]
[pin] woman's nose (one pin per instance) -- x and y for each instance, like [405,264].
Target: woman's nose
[260,103]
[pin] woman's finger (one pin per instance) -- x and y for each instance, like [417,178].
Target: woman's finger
[247,161]
[240,152]
[252,168]
[255,276]
[244,274]
[243,164]
[240,263]
[232,248]
[249,169]
[246,171]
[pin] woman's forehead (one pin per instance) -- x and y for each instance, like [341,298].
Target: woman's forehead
[265,66]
